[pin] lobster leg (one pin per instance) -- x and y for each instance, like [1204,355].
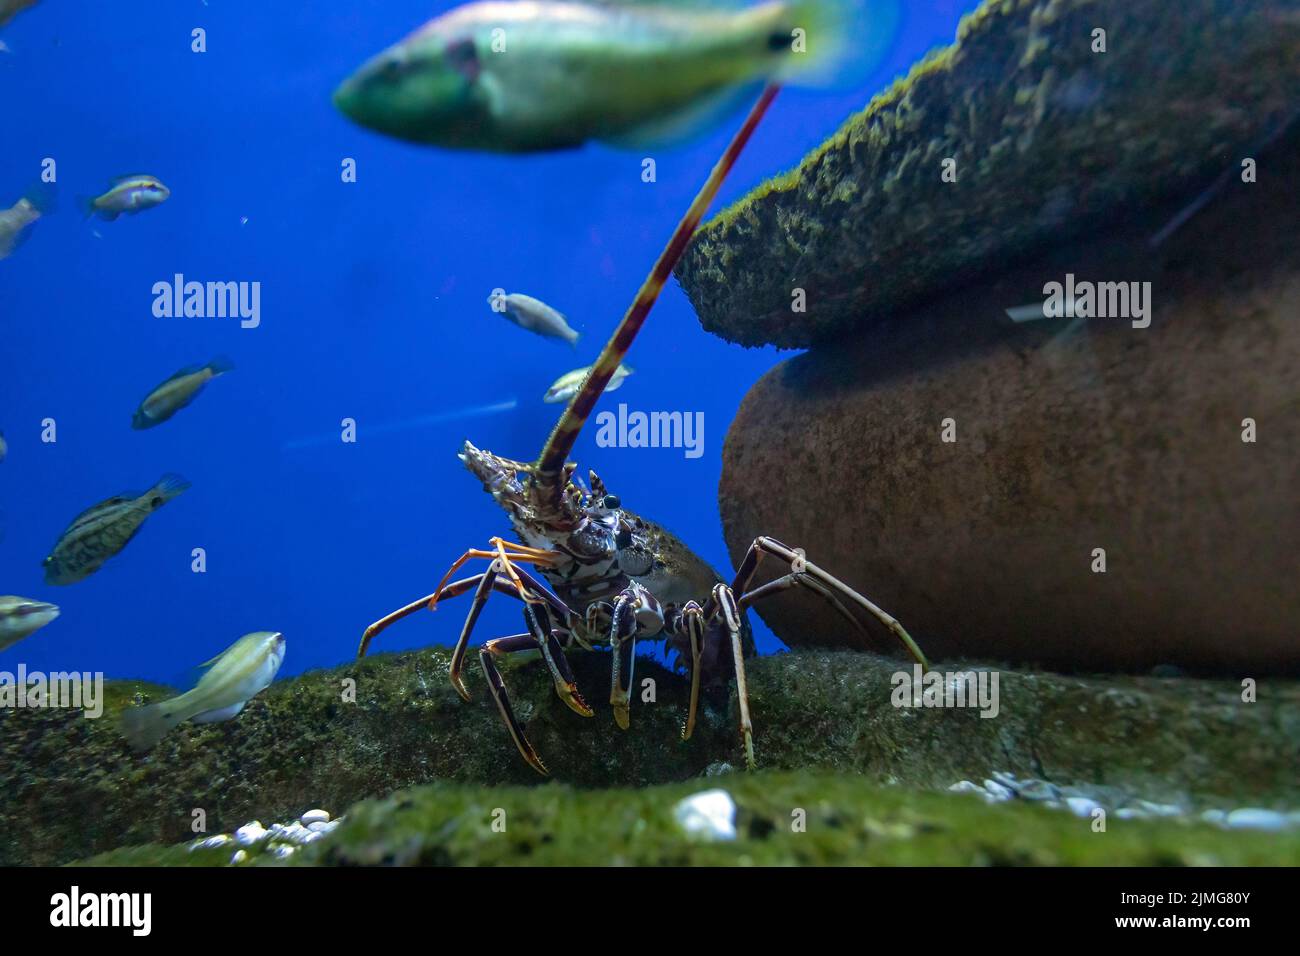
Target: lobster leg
[693,621]
[800,565]
[797,580]
[725,601]
[487,582]
[487,655]
[622,644]
[566,687]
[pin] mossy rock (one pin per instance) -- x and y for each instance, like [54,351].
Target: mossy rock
[76,789]
[1051,141]
[781,819]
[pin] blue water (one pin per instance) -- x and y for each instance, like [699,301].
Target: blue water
[373,307]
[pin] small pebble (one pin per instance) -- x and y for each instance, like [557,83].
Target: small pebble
[284,852]
[239,857]
[710,815]
[250,833]
[212,842]
[998,791]
[314,816]
[319,826]
[1254,818]
[1081,806]
[966,786]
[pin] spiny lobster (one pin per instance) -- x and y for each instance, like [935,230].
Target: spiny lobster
[611,577]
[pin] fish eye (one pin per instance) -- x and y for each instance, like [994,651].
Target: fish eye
[611,503]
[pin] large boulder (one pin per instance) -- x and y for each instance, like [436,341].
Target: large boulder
[1050,139]
[1071,439]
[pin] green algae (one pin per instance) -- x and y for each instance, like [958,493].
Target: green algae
[1051,141]
[782,819]
[76,789]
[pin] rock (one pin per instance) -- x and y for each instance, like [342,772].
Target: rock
[1170,740]
[1128,440]
[250,834]
[709,815]
[1253,818]
[314,816]
[997,791]
[1081,806]
[848,821]
[1049,139]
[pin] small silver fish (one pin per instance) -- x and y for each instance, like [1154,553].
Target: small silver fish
[567,385]
[534,315]
[20,617]
[14,222]
[235,676]
[4,447]
[177,392]
[103,530]
[128,194]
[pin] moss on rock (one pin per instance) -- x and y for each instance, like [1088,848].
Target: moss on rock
[75,789]
[844,819]
[1050,139]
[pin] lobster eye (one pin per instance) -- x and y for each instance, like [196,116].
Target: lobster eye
[611,503]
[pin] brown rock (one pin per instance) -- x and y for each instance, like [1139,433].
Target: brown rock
[1108,437]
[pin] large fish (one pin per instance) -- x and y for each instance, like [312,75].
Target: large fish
[127,194]
[20,617]
[235,676]
[103,530]
[525,76]
[177,392]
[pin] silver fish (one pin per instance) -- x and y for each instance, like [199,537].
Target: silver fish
[567,385]
[128,194]
[20,617]
[534,315]
[177,392]
[14,223]
[235,676]
[103,530]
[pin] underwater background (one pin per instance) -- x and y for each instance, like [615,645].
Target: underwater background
[373,307]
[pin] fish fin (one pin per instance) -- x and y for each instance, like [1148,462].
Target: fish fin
[222,713]
[843,41]
[143,727]
[87,205]
[686,123]
[168,487]
[221,365]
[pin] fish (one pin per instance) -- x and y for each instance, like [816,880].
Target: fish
[4,447]
[21,616]
[128,194]
[14,223]
[103,530]
[234,677]
[535,316]
[177,392]
[11,8]
[567,385]
[526,76]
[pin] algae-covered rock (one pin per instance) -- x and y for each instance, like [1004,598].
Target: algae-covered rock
[780,819]
[73,788]
[1050,138]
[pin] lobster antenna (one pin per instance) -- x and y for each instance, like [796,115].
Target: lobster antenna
[549,468]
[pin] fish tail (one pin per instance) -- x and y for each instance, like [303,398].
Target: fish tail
[835,43]
[87,205]
[220,365]
[168,487]
[143,727]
